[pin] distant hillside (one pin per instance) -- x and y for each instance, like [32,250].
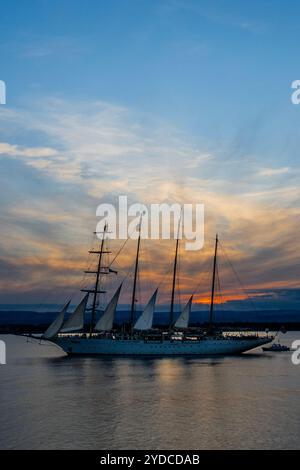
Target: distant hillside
[26,320]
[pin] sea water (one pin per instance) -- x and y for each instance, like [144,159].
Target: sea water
[51,401]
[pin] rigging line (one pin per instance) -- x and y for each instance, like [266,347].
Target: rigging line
[148,282]
[46,298]
[89,258]
[81,280]
[123,246]
[118,252]
[138,296]
[122,270]
[203,275]
[239,280]
[177,278]
[80,283]
[220,289]
[147,273]
[197,287]
[165,276]
[127,272]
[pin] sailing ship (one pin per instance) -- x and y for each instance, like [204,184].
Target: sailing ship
[139,338]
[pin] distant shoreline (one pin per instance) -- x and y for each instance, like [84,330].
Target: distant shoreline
[29,321]
[232,326]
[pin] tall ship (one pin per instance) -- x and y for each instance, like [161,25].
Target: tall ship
[138,337]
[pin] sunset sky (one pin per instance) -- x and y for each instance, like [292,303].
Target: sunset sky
[162,101]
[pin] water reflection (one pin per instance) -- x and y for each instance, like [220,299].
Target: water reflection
[52,401]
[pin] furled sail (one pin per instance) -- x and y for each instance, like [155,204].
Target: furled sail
[76,321]
[56,325]
[183,319]
[145,321]
[105,323]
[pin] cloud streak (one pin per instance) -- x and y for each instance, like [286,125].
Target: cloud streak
[274,171]
[93,151]
[30,152]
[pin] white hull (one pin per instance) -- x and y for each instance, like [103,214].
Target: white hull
[139,347]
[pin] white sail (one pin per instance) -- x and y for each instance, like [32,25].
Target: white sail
[183,319]
[145,321]
[56,325]
[76,320]
[105,323]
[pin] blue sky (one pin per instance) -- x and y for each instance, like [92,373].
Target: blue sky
[190,97]
[195,63]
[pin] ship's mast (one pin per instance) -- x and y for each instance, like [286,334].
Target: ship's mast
[174,279]
[98,272]
[136,267]
[211,312]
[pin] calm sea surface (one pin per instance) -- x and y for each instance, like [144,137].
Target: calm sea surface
[50,401]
